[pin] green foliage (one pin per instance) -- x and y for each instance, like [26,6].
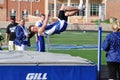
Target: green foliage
[97,21]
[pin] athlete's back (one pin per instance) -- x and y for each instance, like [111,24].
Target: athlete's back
[56,27]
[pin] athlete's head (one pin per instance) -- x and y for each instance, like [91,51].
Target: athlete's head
[33,28]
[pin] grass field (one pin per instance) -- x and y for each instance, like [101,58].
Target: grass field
[76,38]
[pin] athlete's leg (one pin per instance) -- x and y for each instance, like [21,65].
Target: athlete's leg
[71,13]
[68,8]
[61,14]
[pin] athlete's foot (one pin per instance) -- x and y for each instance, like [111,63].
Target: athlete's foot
[80,6]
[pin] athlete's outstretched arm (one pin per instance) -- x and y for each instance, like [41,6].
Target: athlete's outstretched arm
[42,29]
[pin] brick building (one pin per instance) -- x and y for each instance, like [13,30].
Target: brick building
[20,8]
[112,9]
[95,9]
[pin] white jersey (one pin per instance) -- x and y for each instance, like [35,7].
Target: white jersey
[39,23]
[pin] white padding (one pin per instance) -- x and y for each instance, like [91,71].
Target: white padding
[33,57]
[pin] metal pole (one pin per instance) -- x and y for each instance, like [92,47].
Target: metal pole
[48,43]
[47,39]
[99,50]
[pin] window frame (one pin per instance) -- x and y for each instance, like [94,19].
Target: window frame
[94,10]
[24,16]
[37,0]
[36,13]
[12,14]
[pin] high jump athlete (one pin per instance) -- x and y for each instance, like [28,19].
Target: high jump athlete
[59,25]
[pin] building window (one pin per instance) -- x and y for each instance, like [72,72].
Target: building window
[51,9]
[12,12]
[31,0]
[103,9]
[25,0]
[24,14]
[94,10]
[37,0]
[36,13]
[19,0]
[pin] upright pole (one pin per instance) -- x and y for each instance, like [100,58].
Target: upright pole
[47,43]
[55,7]
[19,10]
[68,4]
[47,40]
[99,50]
[31,6]
[87,10]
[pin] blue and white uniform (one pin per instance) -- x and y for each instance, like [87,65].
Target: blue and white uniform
[21,41]
[51,29]
[40,45]
[56,27]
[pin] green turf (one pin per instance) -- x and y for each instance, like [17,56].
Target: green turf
[79,38]
[74,38]
[88,54]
